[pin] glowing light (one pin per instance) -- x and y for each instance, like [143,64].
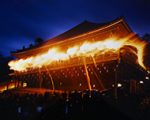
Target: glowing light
[119,85]
[141,82]
[147,78]
[24,84]
[11,86]
[85,49]
[139,45]
[72,51]
[3,88]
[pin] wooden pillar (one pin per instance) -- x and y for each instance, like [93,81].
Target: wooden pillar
[133,86]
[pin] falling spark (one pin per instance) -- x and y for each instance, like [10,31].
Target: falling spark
[52,81]
[87,74]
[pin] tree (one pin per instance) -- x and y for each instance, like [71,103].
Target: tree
[31,45]
[23,47]
[4,68]
[146,37]
[38,41]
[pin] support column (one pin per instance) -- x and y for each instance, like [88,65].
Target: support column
[133,86]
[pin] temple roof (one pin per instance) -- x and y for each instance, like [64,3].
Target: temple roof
[83,28]
[79,29]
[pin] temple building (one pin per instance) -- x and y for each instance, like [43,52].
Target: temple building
[100,71]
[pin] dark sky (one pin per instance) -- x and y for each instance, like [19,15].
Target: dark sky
[21,21]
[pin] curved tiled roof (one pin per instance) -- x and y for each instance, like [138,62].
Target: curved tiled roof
[79,30]
[82,28]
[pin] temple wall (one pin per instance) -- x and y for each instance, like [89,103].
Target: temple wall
[70,75]
[73,78]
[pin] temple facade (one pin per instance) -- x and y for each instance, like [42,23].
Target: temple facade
[78,73]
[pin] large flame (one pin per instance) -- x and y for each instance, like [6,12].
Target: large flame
[85,49]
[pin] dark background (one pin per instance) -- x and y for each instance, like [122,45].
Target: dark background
[22,21]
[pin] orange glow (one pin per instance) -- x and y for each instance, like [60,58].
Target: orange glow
[85,49]
[11,86]
[139,45]
[3,88]
[24,84]
[7,86]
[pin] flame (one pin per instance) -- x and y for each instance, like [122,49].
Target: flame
[139,45]
[85,49]
[72,51]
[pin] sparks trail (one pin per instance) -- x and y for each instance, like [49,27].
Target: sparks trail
[86,49]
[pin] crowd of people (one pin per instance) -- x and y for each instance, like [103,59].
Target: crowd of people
[72,106]
[59,106]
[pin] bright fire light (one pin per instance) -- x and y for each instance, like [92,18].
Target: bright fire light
[141,82]
[85,49]
[119,85]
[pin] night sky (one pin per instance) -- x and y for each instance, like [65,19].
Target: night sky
[21,21]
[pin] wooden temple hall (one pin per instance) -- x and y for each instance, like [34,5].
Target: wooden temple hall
[82,73]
